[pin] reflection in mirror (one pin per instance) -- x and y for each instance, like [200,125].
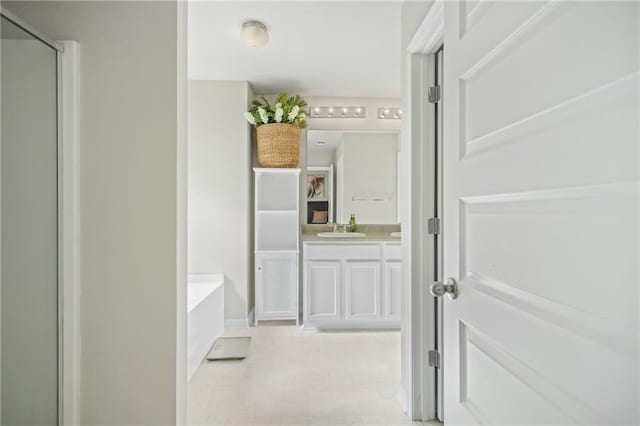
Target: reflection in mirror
[352,172]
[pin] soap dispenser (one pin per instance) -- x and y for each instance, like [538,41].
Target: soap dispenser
[353,226]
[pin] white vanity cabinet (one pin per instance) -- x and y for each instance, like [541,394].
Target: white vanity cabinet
[276,280]
[351,285]
[277,233]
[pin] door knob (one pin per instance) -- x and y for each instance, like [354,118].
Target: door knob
[438,289]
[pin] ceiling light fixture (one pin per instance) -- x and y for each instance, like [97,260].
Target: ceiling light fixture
[254,34]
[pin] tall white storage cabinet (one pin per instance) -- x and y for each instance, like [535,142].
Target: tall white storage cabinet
[277,234]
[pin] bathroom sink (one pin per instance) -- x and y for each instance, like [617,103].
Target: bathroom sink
[341,234]
[396,234]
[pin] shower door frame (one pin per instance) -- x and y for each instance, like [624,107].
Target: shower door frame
[68,227]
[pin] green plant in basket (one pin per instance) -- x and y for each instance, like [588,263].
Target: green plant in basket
[286,110]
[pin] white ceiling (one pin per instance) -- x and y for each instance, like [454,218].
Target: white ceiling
[331,139]
[316,48]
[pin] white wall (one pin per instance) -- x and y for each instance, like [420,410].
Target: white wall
[129,216]
[220,206]
[370,164]
[316,157]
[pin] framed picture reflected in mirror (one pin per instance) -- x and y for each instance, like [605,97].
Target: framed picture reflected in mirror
[318,185]
[320,194]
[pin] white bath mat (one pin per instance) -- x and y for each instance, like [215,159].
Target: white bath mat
[228,348]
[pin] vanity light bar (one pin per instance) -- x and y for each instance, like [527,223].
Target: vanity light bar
[337,112]
[387,113]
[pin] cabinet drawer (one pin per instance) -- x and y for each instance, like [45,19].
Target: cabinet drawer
[338,251]
[392,251]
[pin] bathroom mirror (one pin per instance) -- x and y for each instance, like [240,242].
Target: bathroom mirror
[352,172]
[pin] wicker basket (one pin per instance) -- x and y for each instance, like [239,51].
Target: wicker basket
[278,145]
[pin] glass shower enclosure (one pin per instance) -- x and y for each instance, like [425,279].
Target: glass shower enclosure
[29,210]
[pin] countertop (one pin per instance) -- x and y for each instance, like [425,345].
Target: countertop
[370,238]
[374,233]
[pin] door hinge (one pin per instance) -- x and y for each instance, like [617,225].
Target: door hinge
[433,226]
[433,93]
[434,359]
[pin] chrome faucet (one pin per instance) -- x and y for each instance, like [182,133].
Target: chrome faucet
[343,226]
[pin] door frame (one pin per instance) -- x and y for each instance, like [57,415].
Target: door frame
[69,236]
[419,247]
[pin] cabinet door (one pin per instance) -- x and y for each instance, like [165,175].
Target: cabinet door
[392,280]
[362,289]
[322,291]
[276,286]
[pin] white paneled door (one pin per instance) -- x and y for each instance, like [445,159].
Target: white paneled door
[541,199]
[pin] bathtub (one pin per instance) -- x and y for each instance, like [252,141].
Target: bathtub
[205,316]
